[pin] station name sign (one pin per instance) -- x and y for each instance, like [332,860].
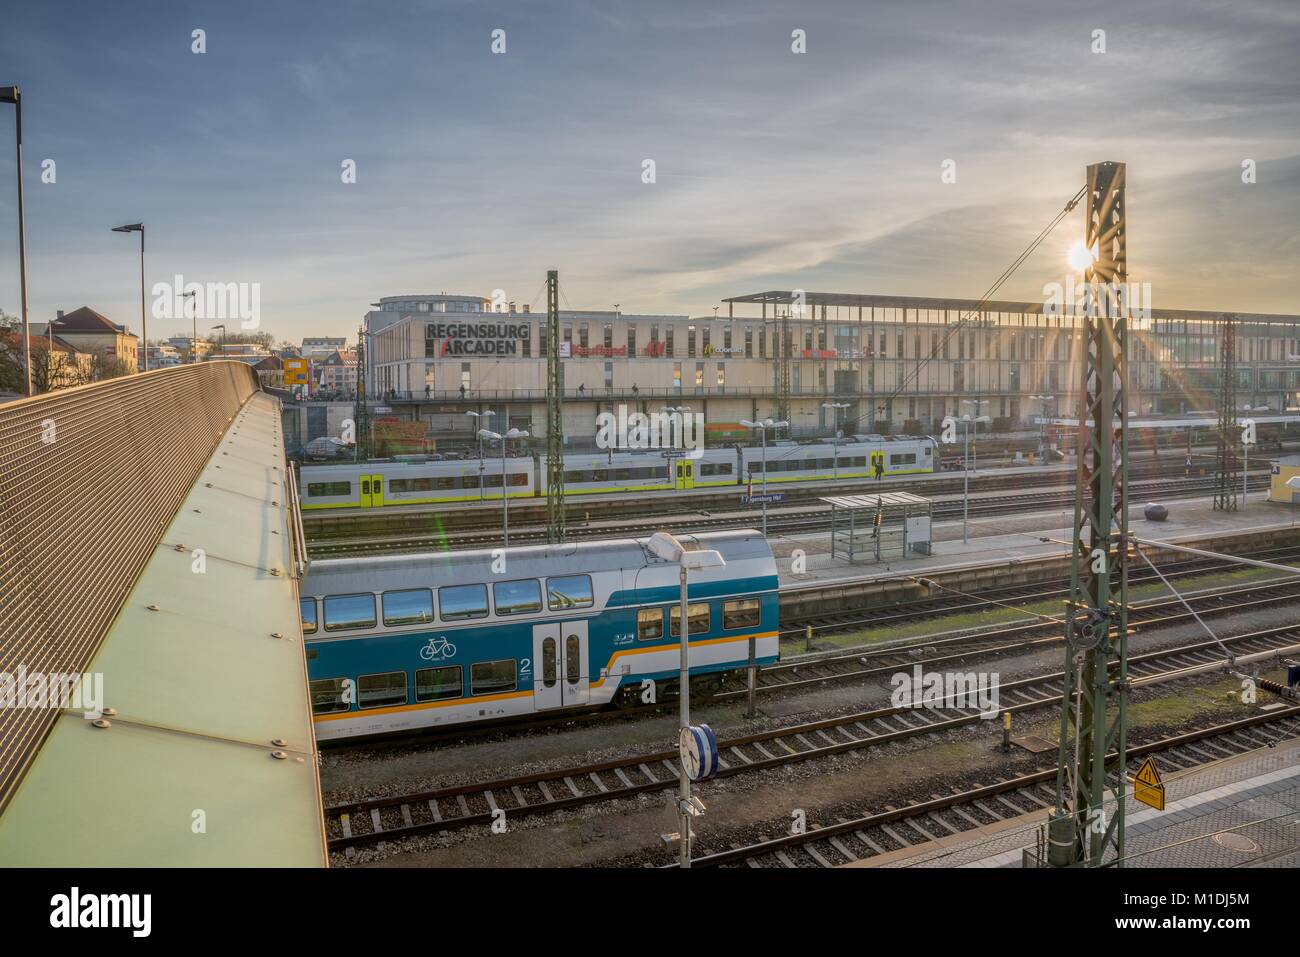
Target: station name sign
[474,338]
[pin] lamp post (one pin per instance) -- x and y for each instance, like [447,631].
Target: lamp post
[1042,415]
[144,329]
[11,94]
[478,417]
[762,427]
[223,339]
[1245,449]
[665,546]
[505,502]
[194,325]
[967,422]
[974,466]
[836,408]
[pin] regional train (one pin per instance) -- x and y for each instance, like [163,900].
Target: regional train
[409,642]
[414,481]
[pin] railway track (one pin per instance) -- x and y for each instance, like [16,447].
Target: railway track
[859,663]
[863,663]
[793,626]
[872,835]
[782,521]
[479,804]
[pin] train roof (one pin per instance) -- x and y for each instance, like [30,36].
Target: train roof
[384,572]
[1184,422]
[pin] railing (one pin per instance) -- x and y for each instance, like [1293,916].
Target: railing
[90,478]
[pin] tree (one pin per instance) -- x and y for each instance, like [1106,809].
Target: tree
[12,378]
[107,367]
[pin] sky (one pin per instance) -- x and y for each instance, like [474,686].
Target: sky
[773,169]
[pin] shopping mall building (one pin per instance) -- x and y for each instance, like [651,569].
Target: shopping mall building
[874,363]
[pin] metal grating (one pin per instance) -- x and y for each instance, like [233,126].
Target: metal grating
[90,478]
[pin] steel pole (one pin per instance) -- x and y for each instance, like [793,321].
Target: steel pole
[505,502]
[144,329]
[22,235]
[965,495]
[684,707]
[763,434]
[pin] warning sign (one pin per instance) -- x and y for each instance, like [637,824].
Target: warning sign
[295,371]
[1147,786]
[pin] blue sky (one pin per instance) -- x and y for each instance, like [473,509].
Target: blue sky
[478,171]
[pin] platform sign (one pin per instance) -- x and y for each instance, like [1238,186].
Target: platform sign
[698,749]
[295,371]
[1147,786]
[770,499]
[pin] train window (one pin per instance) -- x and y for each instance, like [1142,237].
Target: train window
[927,451]
[381,691]
[469,481]
[344,612]
[328,488]
[411,485]
[699,617]
[548,662]
[649,623]
[740,613]
[492,481]
[574,478]
[437,684]
[462,601]
[518,478]
[906,459]
[724,468]
[492,677]
[327,695]
[517,598]
[622,475]
[571,592]
[307,612]
[446,483]
[411,607]
[572,659]
[599,475]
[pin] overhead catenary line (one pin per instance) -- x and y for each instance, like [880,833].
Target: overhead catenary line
[984,299]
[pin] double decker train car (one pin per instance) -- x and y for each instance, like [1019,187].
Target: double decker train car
[408,642]
[379,483]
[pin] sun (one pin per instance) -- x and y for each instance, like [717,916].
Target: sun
[1079,257]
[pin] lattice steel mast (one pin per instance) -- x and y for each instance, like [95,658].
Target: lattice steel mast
[1227,474]
[1088,820]
[555,516]
[783,371]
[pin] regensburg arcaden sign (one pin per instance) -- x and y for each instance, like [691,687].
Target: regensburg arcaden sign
[474,338]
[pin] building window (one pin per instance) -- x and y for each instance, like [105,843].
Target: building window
[722,374]
[699,375]
[631,340]
[668,346]
[749,342]
[690,342]
[582,336]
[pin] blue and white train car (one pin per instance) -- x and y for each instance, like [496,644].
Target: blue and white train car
[404,642]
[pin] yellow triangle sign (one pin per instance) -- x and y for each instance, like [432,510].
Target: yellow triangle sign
[1147,786]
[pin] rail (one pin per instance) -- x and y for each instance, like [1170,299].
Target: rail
[90,478]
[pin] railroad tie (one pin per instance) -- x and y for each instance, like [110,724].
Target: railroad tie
[627,782]
[895,835]
[546,792]
[598,782]
[942,823]
[1029,793]
[865,838]
[911,822]
[491,800]
[785,860]
[1017,811]
[378,825]
[992,812]
[646,771]
[839,845]
[740,754]
[817,856]
[464,806]
[406,816]
[433,809]
[346,821]
[821,733]
[965,817]
[802,740]
[519,796]
[573,788]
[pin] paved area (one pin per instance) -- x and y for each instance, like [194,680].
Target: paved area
[1007,538]
[1242,811]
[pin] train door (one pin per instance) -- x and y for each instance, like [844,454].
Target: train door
[376,490]
[561,675]
[365,491]
[877,463]
[577,671]
[547,692]
[686,473]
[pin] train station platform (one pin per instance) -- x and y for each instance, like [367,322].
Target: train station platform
[159,571]
[1242,811]
[1007,539]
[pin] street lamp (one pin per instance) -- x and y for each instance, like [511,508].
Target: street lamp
[194,325]
[223,338]
[762,427]
[505,502]
[836,408]
[477,417]
[144,329]
[966,422]
[669,549]
[1245,449]
[977,403]
[1042,414]
[11,94]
